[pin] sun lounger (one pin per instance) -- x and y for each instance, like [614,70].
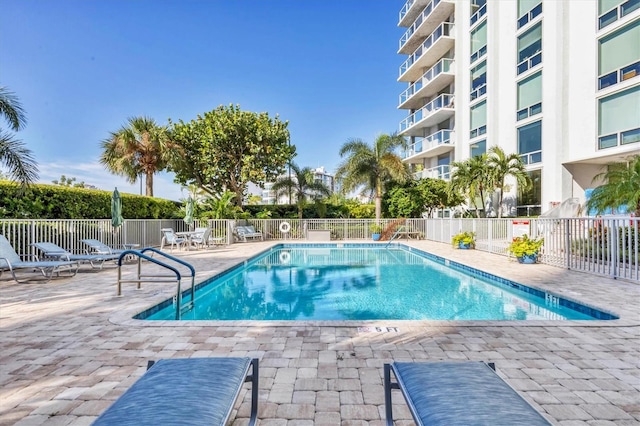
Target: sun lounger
[457,393]
[169,237]
[247,231]
[54,251]
[10,260]
[98,247]
[186,391]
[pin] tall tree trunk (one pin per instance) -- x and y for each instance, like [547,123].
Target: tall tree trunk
[149,184]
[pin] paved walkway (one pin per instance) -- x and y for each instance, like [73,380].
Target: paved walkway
[68,349]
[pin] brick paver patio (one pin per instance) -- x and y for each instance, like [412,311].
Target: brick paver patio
[69,348]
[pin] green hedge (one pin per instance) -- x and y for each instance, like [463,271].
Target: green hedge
[41,201]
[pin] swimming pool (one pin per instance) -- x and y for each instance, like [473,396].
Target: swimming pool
[366,282]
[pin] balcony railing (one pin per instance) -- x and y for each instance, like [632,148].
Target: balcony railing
[620,138]
[442,66]
[529,16]
[479,14]
[530,62]
[531,157]
[405,9]
[529,111]
[619,75]
[443,30]
[419,20]
[617,12]
[442,137]
[439,172]
[442,101]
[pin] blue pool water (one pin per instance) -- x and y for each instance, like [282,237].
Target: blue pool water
[366,282]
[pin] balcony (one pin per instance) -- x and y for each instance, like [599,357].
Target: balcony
[409,11]
[431,16]
[431,146]
[436,111]
[433,81]
[428,53]
[439,172]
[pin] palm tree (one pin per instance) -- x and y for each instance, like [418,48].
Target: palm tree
[502,165]
[140,147]
[372,166]
[301,185]
[13,152]
[622,187]
[472,178]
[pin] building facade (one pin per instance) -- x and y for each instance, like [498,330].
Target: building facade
[555,81]
[319,175]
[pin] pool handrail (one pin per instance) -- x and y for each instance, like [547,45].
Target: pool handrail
[140,254]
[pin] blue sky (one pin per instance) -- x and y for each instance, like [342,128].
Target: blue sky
[81,68]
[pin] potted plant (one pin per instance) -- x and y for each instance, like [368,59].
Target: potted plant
[375,231]
[464,240]
[525,249]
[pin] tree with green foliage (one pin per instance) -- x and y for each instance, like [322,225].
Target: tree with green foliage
[372,166]
[472,179]
[621,187]
[219,207]
[502,165]
[14,154]
[227,148]
[141,147]
[415,197]
[301,185]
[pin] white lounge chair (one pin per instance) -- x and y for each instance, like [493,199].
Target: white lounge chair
[200,237]
[98,247]
[10,260]
[54,251]
[247,231]
[169,237]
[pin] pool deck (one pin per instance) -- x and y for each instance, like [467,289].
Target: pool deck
[69,348]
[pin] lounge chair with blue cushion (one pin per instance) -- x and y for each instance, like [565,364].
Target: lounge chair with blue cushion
[185,391]
[54,251]
[457,393]
[98,247]
[10,260]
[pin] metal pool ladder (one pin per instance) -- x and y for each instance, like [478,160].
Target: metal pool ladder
[140,254]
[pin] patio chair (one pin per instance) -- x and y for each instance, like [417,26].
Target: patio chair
[200,237]
[457,393]
[54,251]
[186,391]
[98,247]
[10,260]
[169,237]
[247,231]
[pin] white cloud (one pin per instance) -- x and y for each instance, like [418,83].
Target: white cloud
[95,174]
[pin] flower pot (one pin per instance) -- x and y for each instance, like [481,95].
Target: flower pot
[464,246]
[376,237]
[528,258]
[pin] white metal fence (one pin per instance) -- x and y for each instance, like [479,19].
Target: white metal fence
[606,246]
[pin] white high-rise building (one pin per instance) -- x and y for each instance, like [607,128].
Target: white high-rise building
[555,81]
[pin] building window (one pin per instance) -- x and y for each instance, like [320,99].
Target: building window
[479,80]
[479,42]
[619,55]
[530,143]
[477,148]
[528,10]
[610,11]
[530,49]
[618,118]
[478,10]
[478,119]
[530,199]
[530,96]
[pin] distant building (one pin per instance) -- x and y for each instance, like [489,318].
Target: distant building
[319,175]
[555,81]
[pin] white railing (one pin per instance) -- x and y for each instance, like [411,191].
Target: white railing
[441,137]
[603,246]
[443,101]
[419,20]
[443,29]
[444,65]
